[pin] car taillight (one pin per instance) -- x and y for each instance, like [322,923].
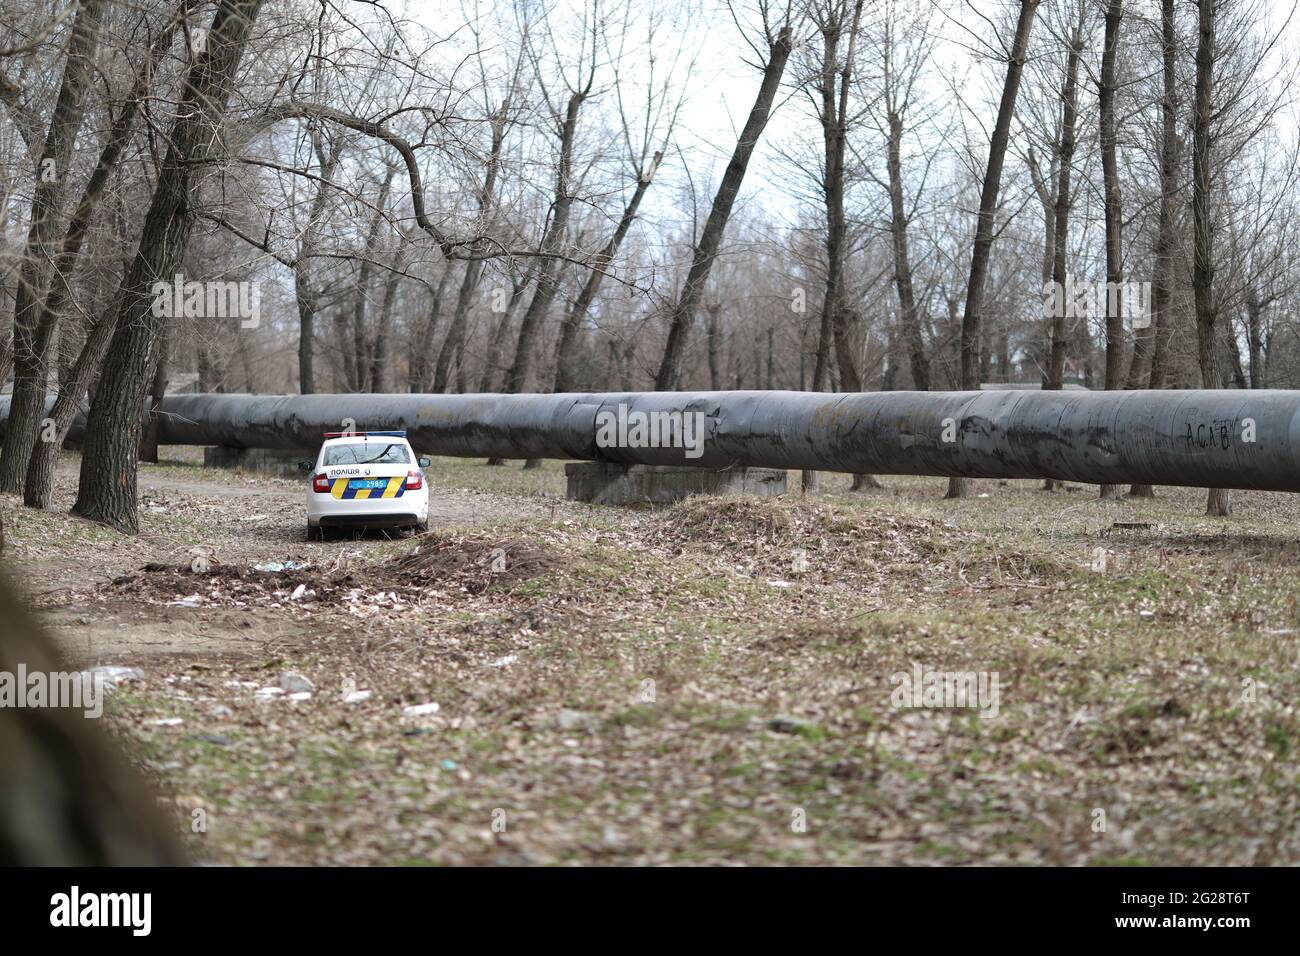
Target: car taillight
[320,484]
[414,480]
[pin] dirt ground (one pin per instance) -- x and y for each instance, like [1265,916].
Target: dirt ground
[538,681]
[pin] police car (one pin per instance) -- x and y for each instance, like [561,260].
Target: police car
[362,480]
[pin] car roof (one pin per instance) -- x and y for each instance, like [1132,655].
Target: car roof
[386,437]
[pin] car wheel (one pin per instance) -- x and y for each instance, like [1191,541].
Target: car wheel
[422,527]
[314,532]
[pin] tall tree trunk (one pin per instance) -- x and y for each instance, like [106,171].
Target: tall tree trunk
[1061,304]
[1166,244]
[530,329]
[360,360]
[1218,500]
[1255,340]
[714,311]
[379,350]
[33,324]
[670,368]
[917,355]
[835,82]
[453,343]
[308,306]
[564,352]
[39,480]
[771,357]
[422,347]
[1045,189]
[39,486]
[984,231]
[451,354]
[305,294]
[107,490]
[149,439]
[500,335]
[1114,216]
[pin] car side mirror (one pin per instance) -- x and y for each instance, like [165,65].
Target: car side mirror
[425,461]
[306,465]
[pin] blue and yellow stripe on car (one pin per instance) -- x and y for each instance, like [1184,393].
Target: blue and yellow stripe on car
[341,489]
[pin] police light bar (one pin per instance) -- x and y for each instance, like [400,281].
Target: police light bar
[393,434]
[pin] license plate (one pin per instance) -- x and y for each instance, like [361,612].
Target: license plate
[359,483]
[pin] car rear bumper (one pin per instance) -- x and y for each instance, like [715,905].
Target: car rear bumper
[408,510]
[403,519]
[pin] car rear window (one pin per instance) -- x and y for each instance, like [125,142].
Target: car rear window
[367,453]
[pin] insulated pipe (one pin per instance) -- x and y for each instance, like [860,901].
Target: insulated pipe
[76,432]
[1215,439]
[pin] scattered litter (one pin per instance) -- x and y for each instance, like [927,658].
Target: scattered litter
[1103,561]
[255,518]
[572,719]
[114,675]
[419,710]
[301,695]
[291,682]
[278,567]
[167,722]
[190,600]
[778,584]
[505,661]
[447,764]
[266,693]
[787,725]
[217,740]
[357,697]
[199,564]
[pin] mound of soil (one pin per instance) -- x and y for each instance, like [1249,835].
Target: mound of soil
[473,564]
[440,567]
[778,536]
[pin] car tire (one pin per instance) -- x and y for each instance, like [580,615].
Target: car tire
[315,532]
[422,527]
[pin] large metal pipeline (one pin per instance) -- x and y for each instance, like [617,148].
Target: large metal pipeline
[1220,439]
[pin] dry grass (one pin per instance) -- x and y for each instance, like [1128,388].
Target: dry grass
[683,686]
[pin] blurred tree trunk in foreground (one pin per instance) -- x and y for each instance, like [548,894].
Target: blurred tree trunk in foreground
[67,797]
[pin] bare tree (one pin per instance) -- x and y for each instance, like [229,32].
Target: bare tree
[1166,242]
[777,42]
[33,324]
[563,112]
[984,228]
[1218,500]
[107,490]
[1114,211]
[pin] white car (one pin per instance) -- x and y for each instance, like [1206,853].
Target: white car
[362,480]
